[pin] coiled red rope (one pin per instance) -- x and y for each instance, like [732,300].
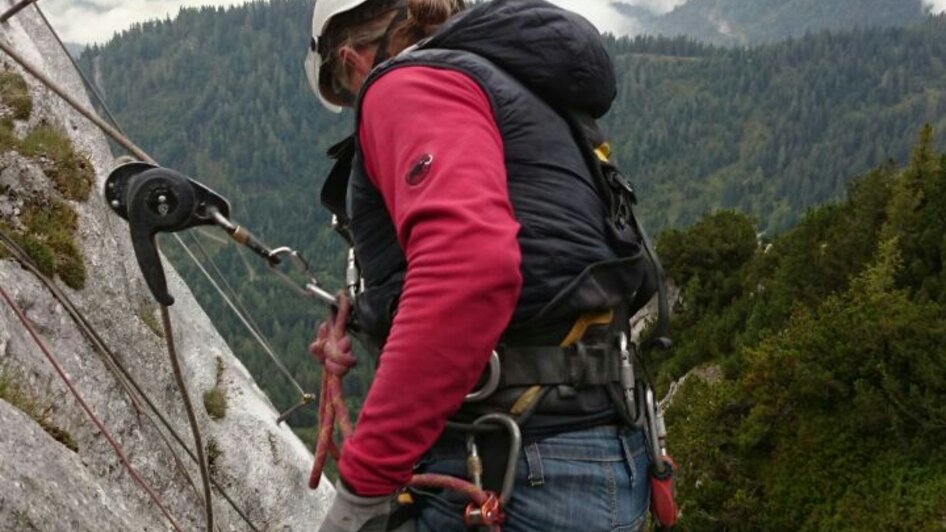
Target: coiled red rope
[98,423]
[332,348]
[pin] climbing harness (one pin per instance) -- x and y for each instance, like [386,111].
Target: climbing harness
[332,349]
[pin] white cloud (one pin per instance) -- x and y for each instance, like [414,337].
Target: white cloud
[87,21]
[606,18]
[601,14]
[938,5]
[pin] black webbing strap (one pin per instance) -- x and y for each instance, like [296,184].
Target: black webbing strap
[577,365]
[662,330]
[383,54]
[589,136]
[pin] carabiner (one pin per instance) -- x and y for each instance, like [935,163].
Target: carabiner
[311,288]
[490,512]
[492,382]
[515,448]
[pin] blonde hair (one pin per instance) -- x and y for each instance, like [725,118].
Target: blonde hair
[367,25]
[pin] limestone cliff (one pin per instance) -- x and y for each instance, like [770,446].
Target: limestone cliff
[56,470]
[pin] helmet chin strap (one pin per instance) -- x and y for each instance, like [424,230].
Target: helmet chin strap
[383,54]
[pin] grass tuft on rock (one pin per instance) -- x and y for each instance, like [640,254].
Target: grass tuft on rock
[15,94]
[47,225]
[215,399]
[41,254]
[71,172]
[215,402]
[146,313]
[40,411]
[214,452]
[49,240]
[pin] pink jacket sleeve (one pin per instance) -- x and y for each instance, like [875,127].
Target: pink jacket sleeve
[456,226]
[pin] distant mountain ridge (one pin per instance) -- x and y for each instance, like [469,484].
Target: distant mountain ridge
[750,22]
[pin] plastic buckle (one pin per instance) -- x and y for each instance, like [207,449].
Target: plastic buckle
[489,514]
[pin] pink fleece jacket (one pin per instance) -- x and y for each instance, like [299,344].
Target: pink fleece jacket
[432,148]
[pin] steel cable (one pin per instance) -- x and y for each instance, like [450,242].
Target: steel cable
[191,416]
[119,137]
[116,365]
[85,407]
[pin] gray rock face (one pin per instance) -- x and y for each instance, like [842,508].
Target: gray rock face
[35,495]
[46,486]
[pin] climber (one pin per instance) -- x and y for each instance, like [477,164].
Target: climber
[478,225]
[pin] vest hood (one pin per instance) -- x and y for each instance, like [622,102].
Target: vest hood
[557,54]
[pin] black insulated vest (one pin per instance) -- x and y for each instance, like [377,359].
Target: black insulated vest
[532,60]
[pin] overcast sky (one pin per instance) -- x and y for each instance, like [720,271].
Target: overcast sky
[86,21]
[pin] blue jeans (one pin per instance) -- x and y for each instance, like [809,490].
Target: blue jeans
[592,480]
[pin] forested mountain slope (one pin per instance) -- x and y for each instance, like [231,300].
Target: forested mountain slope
[821,405]
[770,130]
[220,94]
[748,22]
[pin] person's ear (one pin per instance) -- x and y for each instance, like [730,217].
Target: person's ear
[357,62]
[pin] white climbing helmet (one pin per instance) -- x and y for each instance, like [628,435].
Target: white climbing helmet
[321,16]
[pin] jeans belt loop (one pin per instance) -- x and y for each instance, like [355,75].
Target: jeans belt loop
[534,464]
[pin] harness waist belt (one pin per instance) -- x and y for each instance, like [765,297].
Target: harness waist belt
[577,365]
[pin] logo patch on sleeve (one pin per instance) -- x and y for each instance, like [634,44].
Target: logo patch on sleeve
[420,170]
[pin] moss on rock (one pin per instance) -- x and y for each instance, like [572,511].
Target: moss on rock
[15,95]
[46,227]
[50,240]
[215,402]
[41,254]
[214,452]
[41,411]
[71,172]
[146,313]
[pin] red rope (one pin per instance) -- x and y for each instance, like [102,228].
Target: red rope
[115,446]
[332,348]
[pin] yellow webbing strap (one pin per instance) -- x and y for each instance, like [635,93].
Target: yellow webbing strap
[604,152]
[525,400]
[578,330]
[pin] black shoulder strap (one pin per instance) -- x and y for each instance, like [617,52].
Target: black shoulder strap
[334,193]
[619,197]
